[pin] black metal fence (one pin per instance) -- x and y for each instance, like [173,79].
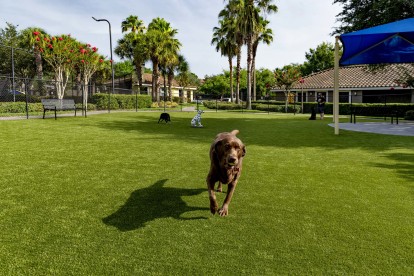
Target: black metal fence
[22,96]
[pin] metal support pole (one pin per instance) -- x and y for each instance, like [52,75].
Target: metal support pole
[112,62]
[336,86]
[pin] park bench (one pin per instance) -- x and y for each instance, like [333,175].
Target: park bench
[58,105]
[386,112]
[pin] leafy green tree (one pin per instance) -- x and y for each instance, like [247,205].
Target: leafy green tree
[285,78]
[14,53]
[86,61]
[28,41]
[66,55]
[59,52]
[357,14]
[318,59]
[124,68]
[215,86]
[265,80]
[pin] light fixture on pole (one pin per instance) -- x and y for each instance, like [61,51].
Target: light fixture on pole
[112,62]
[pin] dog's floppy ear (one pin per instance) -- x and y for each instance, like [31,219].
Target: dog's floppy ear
[217,147]
[244,150]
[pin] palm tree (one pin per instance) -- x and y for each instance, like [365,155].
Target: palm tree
[178,66]
[132,45]
[229,16]
[264,35]
[183,76]
[227,47]
[161,46]
[248,17]
[133,24]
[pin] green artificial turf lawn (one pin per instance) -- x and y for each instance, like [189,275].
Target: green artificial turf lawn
[119,194]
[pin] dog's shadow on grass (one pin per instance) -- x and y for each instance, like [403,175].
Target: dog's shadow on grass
[153,202]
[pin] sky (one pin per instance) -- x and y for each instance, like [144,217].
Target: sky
[299,25]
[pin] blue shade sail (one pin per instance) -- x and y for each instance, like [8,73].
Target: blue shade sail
[388,43]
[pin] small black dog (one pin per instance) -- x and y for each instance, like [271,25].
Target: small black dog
[313,114]
[164,117]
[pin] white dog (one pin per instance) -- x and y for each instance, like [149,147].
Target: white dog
[196,121]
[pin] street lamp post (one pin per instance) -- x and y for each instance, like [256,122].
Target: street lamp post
[112,62]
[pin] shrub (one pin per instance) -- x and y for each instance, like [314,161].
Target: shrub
[277,108]
[121,101]
[409,115]
[222,105]
[20,107]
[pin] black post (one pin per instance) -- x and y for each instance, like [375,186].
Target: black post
[112,62]
[27,98]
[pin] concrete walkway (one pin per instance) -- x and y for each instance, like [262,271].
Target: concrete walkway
[402,129]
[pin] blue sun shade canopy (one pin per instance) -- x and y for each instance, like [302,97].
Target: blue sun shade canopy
[388,43]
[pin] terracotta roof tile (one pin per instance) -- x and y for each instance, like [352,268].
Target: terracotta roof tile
[357,76]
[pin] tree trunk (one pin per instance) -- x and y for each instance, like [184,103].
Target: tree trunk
[254,77]
[138,70]
[39,65]
[170,79]
[155,86]
[238,77]
[249,75]
[231,77]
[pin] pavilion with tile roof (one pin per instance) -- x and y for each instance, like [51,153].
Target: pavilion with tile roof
[357,83]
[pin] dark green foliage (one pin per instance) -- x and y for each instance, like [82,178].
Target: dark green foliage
[222,105]
[357,14]
[121,101]
[409,115]
[277,107]
[20,107]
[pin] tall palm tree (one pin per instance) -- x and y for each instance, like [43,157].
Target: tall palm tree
[131,46]
[248,18]
[178,66]
[161,46]
[227,47]
[264,35]
[183,75]
[133,24]
[229,15]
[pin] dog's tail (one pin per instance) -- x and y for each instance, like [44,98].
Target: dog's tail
[235,132]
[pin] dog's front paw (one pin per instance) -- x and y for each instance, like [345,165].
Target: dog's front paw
[224,211]
[213,207]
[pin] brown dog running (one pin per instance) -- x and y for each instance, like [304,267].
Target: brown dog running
[226,155]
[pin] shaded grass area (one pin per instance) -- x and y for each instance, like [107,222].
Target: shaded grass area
[119,194]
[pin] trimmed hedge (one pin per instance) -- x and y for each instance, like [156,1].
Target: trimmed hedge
[20,107]
[277,108]
[222,105]
[120,101]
